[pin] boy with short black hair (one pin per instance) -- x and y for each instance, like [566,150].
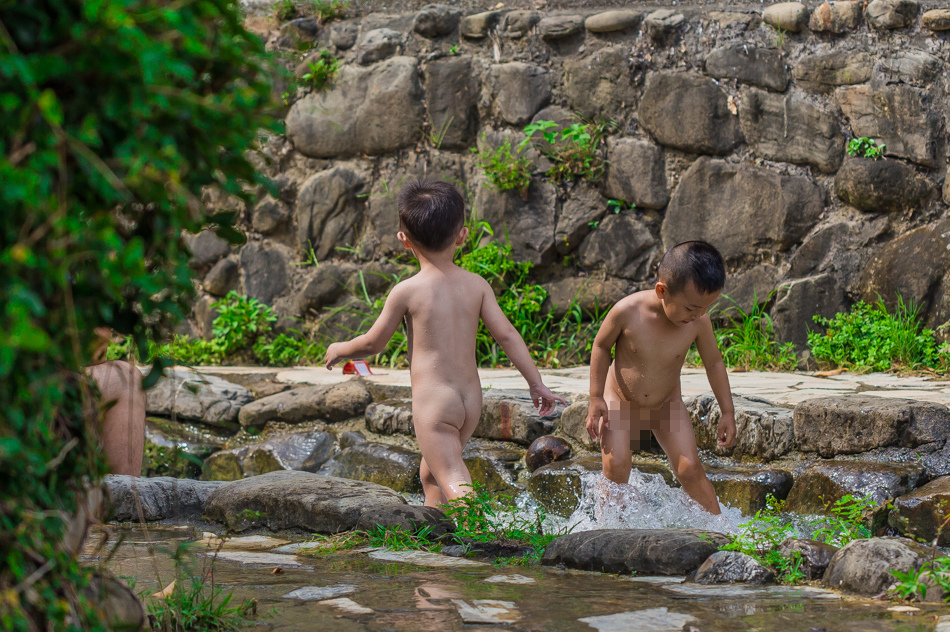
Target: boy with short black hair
[442,305]
[650,333]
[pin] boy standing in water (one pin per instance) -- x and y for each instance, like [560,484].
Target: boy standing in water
[442,305]
[650,333]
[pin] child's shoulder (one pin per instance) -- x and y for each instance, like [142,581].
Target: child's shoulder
[632,303]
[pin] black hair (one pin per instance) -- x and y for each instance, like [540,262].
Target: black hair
[695,261]
[431,212]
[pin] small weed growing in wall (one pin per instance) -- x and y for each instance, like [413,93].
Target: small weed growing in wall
[505,170]
[865,147]
[323,71]
[618,206]
[437,133]
[575,152]
[328,11]
[285,10]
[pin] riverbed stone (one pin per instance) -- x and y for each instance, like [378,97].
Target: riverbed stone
[599,83]
[898,116]
[349,438]
[335,402]
[328,210]
[815,556]
[891,14]
[266,271]
[409,518]
[640,551]
[304,451]
[740,208]
[763,67]
[746,488]
[206,248]
[346,120]
[490,472]
[733,567]
[836,17]
[764,430]
[825,71]
[623,246]
[555,27]
[790,128]
[610,21]
[222,277]
[160,498]
[188,395]
[510,416]
[921,513]
[850,424]
[520,90]
[529,223]
[436,20]
[393,466]
[936,20]
[688,111]
[787,16]
[819,486]
[584,206]
[865,566]
[547,449]
[451,89]
[378,44]
[476,26]
[390,416]
[636,173]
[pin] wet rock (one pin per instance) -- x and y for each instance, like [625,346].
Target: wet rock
[520,90]
[746,488]
[489,472]
[529,224]
[865,566]
[688,111]
[815,556]
[740,208]
[936,20]
[823,72]
[451,89]
[789,128]
[662,25]
[395,467]
[477,26]
[320,593]
[623,246]
[160,498]
[641,551]
[519,23]
[222,277]
[436,20]
[510,416]
[752,287]
[856,423]
[584,207]
[636,173]
[798,302]
[921,513]
[171,448]
[187,395]
[649,620]
[297,500]
[409,518]
[836,17]
[328,210]
[591,294]
[344,120]
[819,486]
[732,567]
[891,14]
[573,424]
[350,438]
[378,44]
[116,604]
[545,450]
[343,34]
[304,451]
[206,248]
[390,416]
[914,67]
[898,116]
[336,402]
[599,84]
[610,21]
[266,271]
[761,67]
[788,16]
[557,27]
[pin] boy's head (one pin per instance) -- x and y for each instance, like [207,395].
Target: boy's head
[689,279]
[431,214]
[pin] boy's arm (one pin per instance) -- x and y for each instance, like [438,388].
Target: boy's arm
[376,339]
[718,380]
[517,351]
[604,343]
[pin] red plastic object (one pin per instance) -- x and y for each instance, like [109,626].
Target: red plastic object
[356,367]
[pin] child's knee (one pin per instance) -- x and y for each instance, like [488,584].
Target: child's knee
[616,468]
[688,469]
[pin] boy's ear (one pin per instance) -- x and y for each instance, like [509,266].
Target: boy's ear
[463,235]
[404,240]
[662,290]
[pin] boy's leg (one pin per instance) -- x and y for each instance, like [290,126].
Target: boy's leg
[439,419]
[678,441]
[615,442]
[123,424]
[430,486]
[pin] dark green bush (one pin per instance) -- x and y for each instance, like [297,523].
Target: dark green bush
[115,115]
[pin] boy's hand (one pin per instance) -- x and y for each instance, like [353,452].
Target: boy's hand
[333,355]
[597,417]
[544,400]
[726,434]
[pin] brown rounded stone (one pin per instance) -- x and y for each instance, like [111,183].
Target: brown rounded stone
[547,449]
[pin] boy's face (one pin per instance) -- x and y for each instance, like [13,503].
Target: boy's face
[406,241]
[686,305]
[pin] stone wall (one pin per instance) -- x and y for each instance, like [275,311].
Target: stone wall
[729,129]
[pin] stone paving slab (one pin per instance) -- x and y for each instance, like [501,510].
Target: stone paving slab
[786,389]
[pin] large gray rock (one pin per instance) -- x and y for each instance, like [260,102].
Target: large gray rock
[557,486]
[640,551]
[891,14]
[882,186]
[790,128]
[529,224]
[747,289]
[327,284]
[452,100]
[824,71]
[510,416]
[373,110]
[747,488]
[436,20]
[593,295]
[849,424]
[520,90]
[343,34]
[390,416]
[269,215]
[304,451]
[636,173]
[478,25]
[519,23]
[787,16]
[622,245]
[583,208]
[913,67]
[688,111]
[161,498]
[921,513]
[266,273]
[819,486]
[395,467]
[409,518]
[297,500]
[741,209]
[898,116]
[764,430]
[797,302]
[815,556]
[328,210]
[839,246]
[763,67]
[610,21]
[573,424]
[663,26]
[206,248]
[599,84]
[836,17]
[188,395]
[378,44]
[335,402]
[222,277]
[866,567]
[732,567]
[555,27]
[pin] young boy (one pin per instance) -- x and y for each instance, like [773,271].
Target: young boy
[442,305]
[650,333]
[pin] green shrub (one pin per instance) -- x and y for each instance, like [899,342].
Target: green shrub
[866,147]
[748,340]
[575,152]
[322,71]
[285,10]
[328,10]
[505,171]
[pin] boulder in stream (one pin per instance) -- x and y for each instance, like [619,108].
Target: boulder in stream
[920,513]
[511,416]
[175,449]
[826,482]
[764,430]
[184,394]
[161,498]
[746,488]
[390,417]
[305,451]
[815,556]
[545,450]
[864,566]
[733,567]
[332,403]
[395,467]
[410,518]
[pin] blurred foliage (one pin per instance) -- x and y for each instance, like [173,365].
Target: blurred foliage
[115,116]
